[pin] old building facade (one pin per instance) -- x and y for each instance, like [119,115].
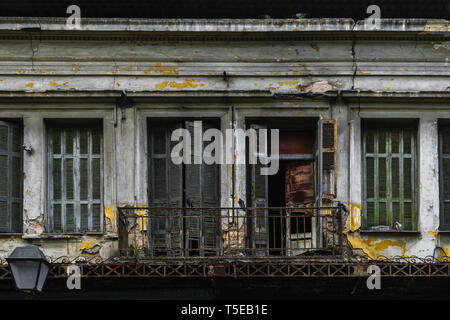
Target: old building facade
[364,132]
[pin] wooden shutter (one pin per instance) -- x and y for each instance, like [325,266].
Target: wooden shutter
[260,199]
[75,183]
[389,156]
[326,146]
[166,190]
[202,191]
[11,181]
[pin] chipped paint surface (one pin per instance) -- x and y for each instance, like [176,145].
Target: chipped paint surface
[192,83]
[375,248]
[262,67]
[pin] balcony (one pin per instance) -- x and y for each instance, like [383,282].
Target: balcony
[158,234]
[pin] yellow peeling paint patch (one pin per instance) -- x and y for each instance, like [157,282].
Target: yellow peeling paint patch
[437,27]
[29,85]
[365,74]
[432,233]
[375,247]
[128,68]
[85,245]
[353,221]
[49,72]
[52,83]
[288,83]
[142,221]
[160,68]
[75,69]
[192,83]
[110,214]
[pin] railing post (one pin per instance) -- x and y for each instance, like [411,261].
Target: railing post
[340,234]
[123,233]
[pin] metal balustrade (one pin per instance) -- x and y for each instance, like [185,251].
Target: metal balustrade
[158,233]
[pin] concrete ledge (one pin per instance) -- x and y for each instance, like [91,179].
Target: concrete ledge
[223,25]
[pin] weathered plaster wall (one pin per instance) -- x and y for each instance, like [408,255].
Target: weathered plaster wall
[156,71]
[423,242]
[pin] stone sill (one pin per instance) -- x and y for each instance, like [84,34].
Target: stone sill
[6,234]
[403,232]
[62,235]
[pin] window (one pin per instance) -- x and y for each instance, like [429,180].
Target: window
[196,231]
[75,160]
[444,172]
[389,176]
[306,177]
[10,177]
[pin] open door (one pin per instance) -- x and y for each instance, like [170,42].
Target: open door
[300,223]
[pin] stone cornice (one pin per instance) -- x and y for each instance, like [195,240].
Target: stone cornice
[230,29]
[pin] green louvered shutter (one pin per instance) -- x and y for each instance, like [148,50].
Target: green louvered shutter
[11,181]
[75,183]
[389,181]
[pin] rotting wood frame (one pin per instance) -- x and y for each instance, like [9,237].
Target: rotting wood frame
[86,207]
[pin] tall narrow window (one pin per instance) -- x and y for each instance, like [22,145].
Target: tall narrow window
[75,161]
[195,230]
[10,177]
[389,180]
[444,170]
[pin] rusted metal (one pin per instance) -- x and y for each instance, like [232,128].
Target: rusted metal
[228,232]
[299,183]
[322,267]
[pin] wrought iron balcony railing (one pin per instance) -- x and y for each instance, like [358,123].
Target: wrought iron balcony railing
[229,232]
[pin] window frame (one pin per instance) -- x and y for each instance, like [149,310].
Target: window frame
[366,125]
[87,124]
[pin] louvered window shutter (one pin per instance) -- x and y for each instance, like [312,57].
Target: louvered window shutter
[11,181]
[260,199]
[326,153]
[166,190]
[389,156]
[202,191]
[75,183]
